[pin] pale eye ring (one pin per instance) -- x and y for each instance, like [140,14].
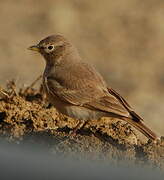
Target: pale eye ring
[49,48]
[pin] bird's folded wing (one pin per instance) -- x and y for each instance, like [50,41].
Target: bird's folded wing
[85,92]
[78,84]
[89,96]
[135,116]
[108,104]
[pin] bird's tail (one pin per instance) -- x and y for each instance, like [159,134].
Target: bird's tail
[139,125]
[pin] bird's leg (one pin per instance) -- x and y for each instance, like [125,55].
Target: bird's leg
[80,125]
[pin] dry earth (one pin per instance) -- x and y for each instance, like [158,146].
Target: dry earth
[25,116]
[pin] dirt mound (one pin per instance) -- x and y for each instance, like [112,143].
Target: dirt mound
[25,116]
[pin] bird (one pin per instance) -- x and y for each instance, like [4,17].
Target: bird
[75,88]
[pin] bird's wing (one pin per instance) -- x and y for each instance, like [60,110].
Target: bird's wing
[115,103]
[89,97]
[79,96]
[88,89]
[77,85]
[135,116]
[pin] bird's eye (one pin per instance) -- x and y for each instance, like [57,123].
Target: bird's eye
[49,48]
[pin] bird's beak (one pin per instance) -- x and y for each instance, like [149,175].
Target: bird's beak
[34,48]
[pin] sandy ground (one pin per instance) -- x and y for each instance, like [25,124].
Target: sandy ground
[26,118]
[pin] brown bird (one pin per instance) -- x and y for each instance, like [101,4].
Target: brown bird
[77,90]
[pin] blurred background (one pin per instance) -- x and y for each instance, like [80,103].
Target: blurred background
[123,39]
[34,162]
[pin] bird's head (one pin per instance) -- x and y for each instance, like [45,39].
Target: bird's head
[53,48]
